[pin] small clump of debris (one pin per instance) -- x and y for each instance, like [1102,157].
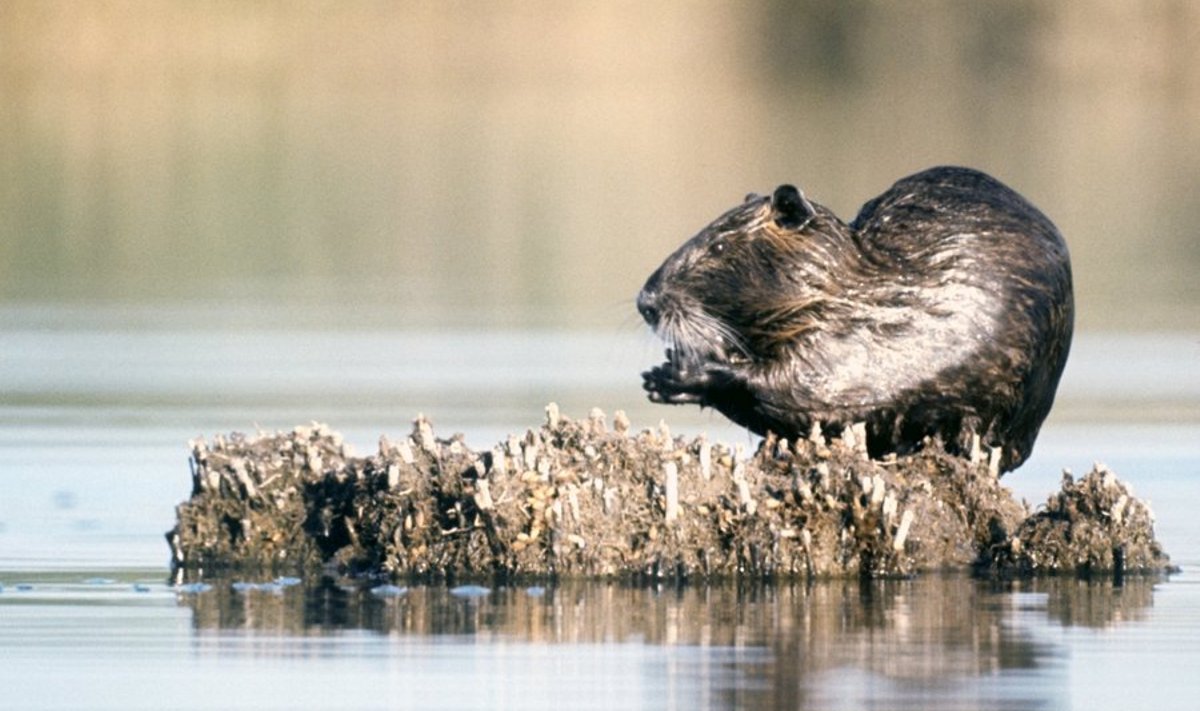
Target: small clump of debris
[578,498]
[1091,526]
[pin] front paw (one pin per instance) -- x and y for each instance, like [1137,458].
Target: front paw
[671,384]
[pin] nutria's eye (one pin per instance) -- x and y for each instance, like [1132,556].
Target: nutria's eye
[717,247]
[792,209]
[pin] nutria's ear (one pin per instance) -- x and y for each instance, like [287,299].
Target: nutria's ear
[752,197]
[792,209]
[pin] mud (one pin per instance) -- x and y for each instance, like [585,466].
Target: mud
[578,498]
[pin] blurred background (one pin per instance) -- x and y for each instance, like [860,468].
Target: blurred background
[430,164]
[226,214]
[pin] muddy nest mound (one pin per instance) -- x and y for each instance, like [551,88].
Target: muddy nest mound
[578,498]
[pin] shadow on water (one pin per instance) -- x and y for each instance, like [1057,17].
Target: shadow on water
[776,644]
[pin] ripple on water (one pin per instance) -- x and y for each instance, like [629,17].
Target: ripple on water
[470,591]
[388,591]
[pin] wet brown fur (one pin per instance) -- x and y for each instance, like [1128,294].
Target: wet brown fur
[943,310]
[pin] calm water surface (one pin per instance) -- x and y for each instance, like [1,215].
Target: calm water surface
[94,421]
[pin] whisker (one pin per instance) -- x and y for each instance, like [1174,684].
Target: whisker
[694,334]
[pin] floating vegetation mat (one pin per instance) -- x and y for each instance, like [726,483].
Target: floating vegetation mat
[578,498]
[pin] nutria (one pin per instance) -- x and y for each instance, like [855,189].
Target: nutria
[943,311]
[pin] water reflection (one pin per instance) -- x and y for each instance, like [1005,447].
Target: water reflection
[929,633]
[1079,603]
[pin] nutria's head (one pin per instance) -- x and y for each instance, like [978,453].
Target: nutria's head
[749,281]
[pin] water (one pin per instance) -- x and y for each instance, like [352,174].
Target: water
[930,643]
[93,430]
[935,642]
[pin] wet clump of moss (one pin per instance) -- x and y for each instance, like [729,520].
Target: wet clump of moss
[577,498]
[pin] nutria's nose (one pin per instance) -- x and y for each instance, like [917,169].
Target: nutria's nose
[647,304]
[648,298]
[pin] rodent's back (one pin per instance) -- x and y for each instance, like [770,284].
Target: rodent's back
[958,228]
